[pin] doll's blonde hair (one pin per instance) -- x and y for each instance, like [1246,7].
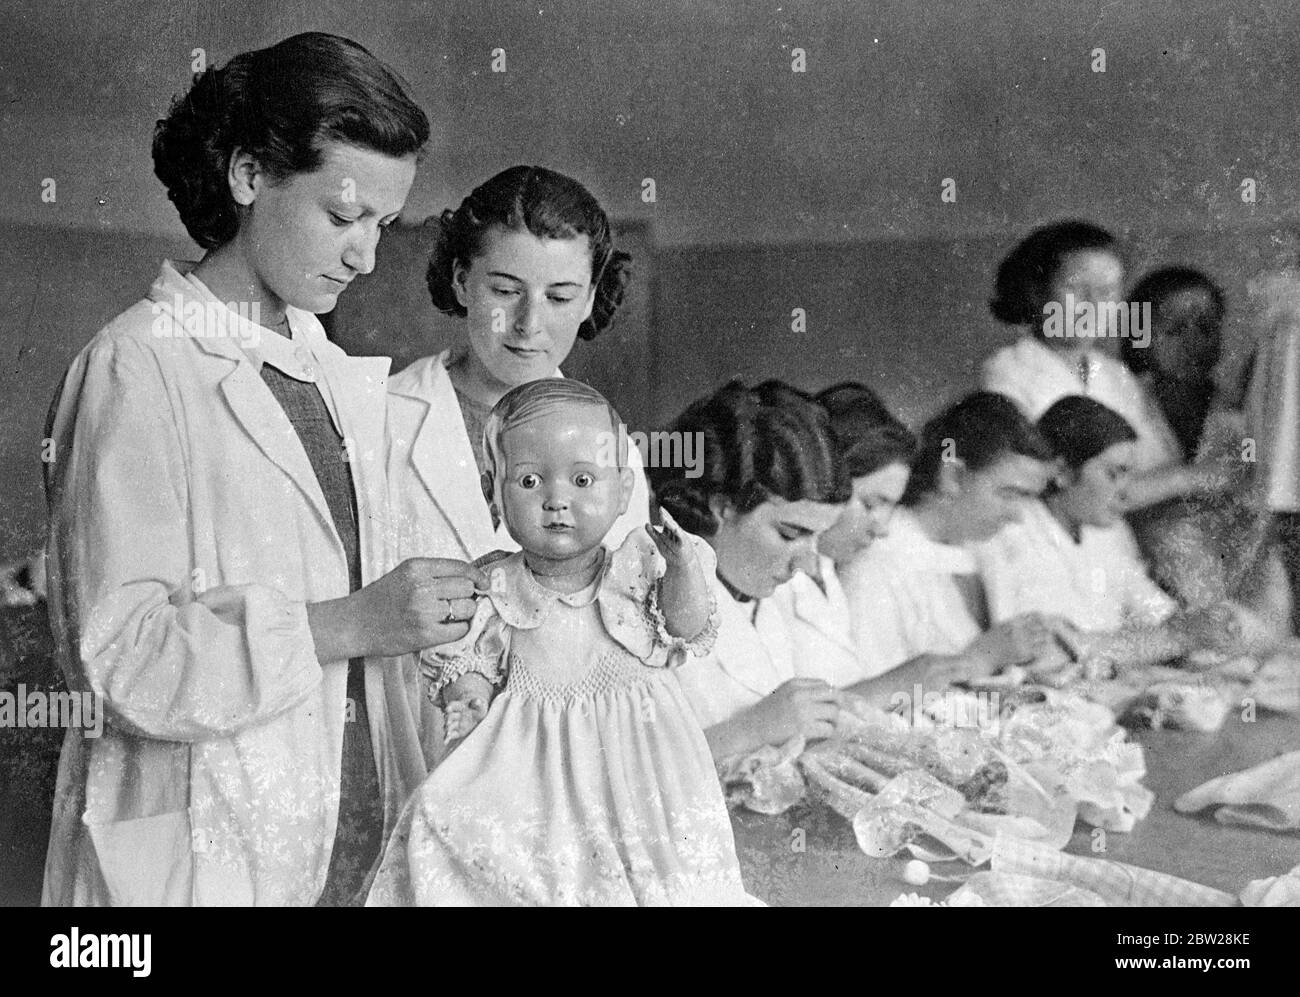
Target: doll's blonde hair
[530,401]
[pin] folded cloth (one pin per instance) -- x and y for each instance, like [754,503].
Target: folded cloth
[1267,795]
[1276,891]
[1117,884]
[1007,889]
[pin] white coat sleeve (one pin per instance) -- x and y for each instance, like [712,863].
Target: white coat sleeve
[171,659]
[1001,374]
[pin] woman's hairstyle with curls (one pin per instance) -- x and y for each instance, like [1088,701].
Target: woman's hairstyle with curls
[758,443]
[547,204]
[1025,275]
[869,436]
[281,104]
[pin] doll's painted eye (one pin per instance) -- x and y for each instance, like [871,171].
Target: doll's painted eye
[530,481]
[583,479]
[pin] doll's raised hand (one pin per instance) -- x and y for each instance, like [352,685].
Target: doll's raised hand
[684,595]
[466,704]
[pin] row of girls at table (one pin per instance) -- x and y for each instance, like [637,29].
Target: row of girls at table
[458,665]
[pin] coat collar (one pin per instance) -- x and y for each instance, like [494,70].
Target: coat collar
[440,452]
[356,385]
[752,647]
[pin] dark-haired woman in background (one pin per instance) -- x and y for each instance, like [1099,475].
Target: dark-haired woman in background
[528,261]
[1205,547]
[1076,262]
[218,571]
[877,451]
[771,483]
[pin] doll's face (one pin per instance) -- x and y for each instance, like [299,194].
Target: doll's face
[525,298]
[560,490]
[763,548]
[1095,494]
[306,237]
[867,515]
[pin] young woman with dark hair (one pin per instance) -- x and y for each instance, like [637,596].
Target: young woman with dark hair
[1049,284]
[876,450]
[528,261]
[771,483]
[915,600]
[218,570]
[1063,556]
[1210,546]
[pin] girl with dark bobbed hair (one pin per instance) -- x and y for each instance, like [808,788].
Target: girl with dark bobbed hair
[771,481]
[528,261]
[1062,557]
[218,571]
[917,608]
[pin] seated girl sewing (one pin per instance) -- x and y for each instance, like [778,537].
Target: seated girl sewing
[1071,555]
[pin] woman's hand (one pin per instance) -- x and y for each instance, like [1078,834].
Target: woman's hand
[1018,641]
[806,707]
[423,602]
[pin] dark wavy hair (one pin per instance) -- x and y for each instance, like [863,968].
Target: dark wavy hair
[1078,429]
[868,435]
[761,442]
[281,104]
[1025,275]
[979,430]
[550,205]
[1159,286]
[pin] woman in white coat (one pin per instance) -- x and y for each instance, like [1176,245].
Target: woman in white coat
[219,575]
[771,483]
[877,451]
[528,261]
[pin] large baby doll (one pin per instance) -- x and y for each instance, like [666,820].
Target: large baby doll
[582,776]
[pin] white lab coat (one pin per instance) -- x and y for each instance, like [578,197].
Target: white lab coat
[188,532]
[438,504]
[752,656]
[820,629]
[1098,583]
[902,597]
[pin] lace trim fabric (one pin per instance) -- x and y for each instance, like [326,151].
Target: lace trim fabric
[699,645]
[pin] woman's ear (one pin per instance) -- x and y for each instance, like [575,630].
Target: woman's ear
[722,509]
[1062,476]
[458,272]
[244,175]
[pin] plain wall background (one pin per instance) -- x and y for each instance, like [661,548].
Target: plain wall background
[775,190]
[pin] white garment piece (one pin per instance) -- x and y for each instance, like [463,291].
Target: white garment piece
[1098,584]
[188,532]
[438,504]
[819,627]
[903,600]
[1036,377]
[752,656]
[1273,399]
